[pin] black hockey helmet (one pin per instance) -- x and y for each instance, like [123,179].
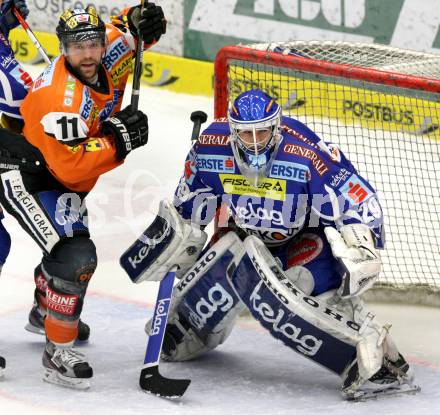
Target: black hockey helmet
[79,25]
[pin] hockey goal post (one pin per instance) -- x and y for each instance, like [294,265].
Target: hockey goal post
[382,106]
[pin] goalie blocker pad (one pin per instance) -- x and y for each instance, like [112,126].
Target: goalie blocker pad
[305,324]
[167,242]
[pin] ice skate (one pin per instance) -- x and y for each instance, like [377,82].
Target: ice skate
[392,378]
[66,367]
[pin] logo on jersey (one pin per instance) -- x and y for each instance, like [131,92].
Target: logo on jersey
[22,76]
[304,152]
[91,146]
[190,168]
[115,51]
[268,188]
[335,153]
[271,237]
[214,140]
[86,104]
[45,79]
[304,249]
[7,60]
[298,135]
[340,177]
[290,171]
[260,213]
[69,91]
[217,164]
[355,191]
[109,106]
[120,70]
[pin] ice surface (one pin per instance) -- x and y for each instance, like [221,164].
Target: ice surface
[250,374]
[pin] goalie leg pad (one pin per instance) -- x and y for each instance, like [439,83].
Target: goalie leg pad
[279,312]
[306,324]
[204,305]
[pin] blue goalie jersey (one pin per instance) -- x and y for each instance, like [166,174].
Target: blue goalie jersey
[310,184]
[14,81]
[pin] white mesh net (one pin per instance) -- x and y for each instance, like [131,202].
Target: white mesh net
[390,133]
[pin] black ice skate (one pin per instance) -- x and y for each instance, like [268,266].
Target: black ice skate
[2,366]
[66,367]
[392,378]
[36,324]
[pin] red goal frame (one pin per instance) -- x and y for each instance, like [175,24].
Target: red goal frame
[228,53]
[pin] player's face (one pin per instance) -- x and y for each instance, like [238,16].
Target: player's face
[85,57]
[259,139]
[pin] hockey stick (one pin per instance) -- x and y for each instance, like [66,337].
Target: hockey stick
[198,118]
[137,70]
[150,379]
[31,35]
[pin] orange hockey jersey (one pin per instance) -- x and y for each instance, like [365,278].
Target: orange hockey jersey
[63,117]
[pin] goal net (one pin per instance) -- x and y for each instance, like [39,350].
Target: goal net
[381,105]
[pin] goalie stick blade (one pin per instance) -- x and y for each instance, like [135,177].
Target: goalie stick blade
[370,395]
[153,382]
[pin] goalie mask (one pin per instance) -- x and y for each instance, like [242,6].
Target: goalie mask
[254,120]
[80,25]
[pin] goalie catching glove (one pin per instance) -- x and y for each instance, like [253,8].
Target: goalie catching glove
[354,247]
[129,130]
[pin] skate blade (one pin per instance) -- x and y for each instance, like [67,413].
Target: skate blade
[37,330]
[2,372]
[56,378]
[405,389]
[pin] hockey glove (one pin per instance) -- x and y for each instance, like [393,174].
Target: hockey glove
[150,23]
[7,19]
[129,130]
[354,248]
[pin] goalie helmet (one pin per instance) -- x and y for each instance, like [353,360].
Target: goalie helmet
[80,25]
[254,119]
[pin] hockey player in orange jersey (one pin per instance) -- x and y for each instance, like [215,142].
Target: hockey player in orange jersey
[73,119]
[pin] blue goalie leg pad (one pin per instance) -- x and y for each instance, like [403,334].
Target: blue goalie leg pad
[283,314]
[204,306]
[207,303]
